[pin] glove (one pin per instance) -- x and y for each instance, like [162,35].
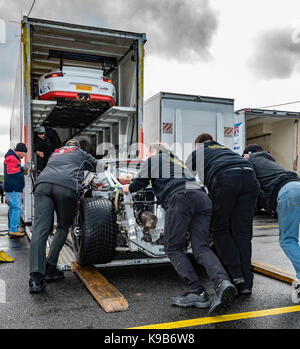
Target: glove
[27,166]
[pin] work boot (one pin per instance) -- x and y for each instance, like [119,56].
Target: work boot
[52,273]
[225,294]
[36,283]
[192,299]
[16,234]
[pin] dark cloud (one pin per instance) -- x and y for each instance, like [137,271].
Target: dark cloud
[276,54]
[180,30]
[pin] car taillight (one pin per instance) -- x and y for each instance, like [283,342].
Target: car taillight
[107,80]
[54,75]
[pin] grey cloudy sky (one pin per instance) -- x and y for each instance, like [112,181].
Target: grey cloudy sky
[236,49]
[276,53]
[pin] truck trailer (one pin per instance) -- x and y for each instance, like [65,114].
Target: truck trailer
[48,46]
[177,119]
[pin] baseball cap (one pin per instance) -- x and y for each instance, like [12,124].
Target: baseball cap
[73,142]
[41,129]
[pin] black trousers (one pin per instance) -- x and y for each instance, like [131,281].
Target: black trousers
[47,199]
[190,211]
[234,194]
[41,163]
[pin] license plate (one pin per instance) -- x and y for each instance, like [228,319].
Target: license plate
[84,87]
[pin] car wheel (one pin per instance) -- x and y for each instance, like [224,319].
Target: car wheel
[94,234]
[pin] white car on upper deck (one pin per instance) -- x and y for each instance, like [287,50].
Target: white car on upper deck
[77,83]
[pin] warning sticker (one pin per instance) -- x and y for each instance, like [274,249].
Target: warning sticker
[167,127]
[228,131]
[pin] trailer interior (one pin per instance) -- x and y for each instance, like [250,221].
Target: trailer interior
[276,132]
[52,45]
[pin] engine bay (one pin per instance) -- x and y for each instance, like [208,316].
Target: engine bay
[140,217]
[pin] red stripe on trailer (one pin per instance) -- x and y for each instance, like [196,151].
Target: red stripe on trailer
[167,127]
[228,131]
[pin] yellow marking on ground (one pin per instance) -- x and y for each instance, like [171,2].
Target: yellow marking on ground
[5,258]
[221,318]
[266,226]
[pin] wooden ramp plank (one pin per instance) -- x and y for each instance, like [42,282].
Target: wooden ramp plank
[110,299]
[274,272]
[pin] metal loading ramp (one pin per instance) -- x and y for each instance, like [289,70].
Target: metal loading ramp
[112,116]
[115,125]
[72,114]
[40,111]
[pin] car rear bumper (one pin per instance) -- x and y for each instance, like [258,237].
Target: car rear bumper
[74,95]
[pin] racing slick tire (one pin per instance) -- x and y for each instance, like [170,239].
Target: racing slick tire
[94,234]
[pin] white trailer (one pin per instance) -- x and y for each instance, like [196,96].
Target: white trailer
[177,119]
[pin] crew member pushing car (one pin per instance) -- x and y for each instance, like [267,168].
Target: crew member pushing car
[188,209]
[233,188]
[56,189]
[280,193]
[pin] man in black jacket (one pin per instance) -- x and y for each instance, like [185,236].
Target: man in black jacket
[280,192]
[56,189]
[188,209]
[45,141]
[233,188]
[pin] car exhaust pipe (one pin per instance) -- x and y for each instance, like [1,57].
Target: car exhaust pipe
[83,97]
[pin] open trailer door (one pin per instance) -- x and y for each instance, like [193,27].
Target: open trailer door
[276,131]
[239,132]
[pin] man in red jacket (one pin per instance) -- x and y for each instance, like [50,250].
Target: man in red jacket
[13,187]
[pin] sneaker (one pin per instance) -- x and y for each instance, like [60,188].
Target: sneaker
[36,283]
[296,291]
[52,273]
[192,299]
[225,294]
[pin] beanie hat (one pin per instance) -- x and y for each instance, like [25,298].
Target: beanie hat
[21,147]
[252,148]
